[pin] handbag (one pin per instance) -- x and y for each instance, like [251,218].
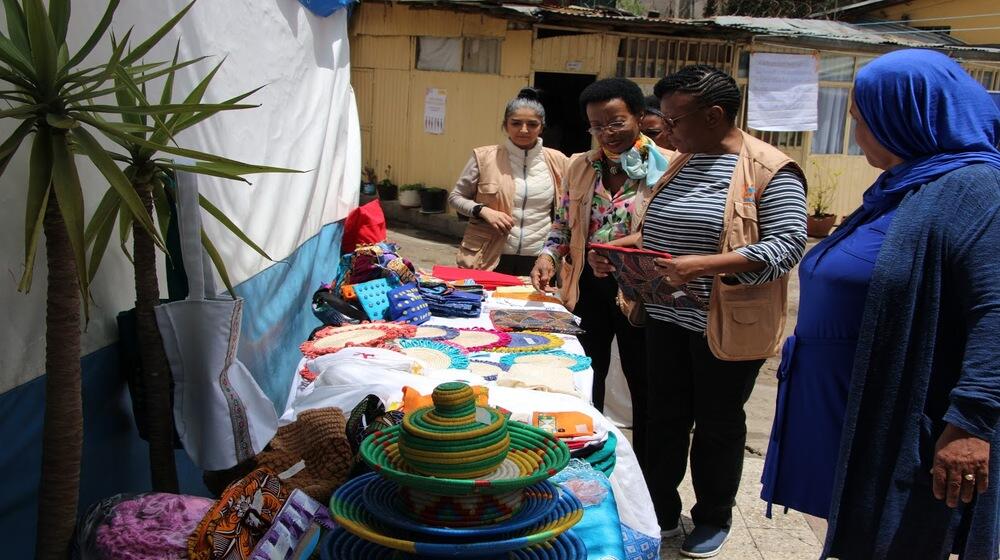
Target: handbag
[222,416]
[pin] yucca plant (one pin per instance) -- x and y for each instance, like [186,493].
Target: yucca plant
[56,100]
[145,140]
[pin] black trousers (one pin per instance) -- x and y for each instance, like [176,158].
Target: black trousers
[603,321]
[689,386]
[516,265]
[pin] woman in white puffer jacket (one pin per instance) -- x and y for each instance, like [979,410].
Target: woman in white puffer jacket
[509,192]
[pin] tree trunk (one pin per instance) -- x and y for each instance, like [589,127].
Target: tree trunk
[155,369]
[62,436]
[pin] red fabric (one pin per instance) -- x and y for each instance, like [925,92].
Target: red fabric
[485,278]
[364,225]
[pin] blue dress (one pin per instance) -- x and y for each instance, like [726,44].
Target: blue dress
[815,371]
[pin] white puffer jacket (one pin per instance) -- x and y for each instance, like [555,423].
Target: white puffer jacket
[533,192]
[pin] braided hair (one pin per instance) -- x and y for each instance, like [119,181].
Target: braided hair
[527,98]
[707,84]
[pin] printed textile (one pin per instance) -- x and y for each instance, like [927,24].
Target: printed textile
[535,320]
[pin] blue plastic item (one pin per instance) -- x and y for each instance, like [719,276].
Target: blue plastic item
[323,8]
[374,298]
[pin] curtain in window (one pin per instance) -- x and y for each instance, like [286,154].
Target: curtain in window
[829,136]
[481,55]
[439,53]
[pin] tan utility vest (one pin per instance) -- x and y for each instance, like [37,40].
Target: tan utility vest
[580,179]
[482,245]
[745,322]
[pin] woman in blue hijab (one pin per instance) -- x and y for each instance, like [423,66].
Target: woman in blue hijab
[889,390]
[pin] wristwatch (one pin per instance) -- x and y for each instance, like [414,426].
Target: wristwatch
[477,209]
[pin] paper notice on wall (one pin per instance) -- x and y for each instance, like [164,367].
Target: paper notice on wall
[434,110]
[784,92]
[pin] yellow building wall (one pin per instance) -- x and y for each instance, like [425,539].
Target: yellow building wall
[926,9]
[850,175]
[390,91]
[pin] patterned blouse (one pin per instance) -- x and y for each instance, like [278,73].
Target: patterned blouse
[610,217]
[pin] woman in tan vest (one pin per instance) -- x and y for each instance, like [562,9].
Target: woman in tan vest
[731,211]
[601,187]
[509,192]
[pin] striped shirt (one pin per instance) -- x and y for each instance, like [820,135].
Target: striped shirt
[685,218]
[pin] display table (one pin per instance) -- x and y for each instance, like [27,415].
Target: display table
[344,387]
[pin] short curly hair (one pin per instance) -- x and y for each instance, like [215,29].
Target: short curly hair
[613,88]
[709,85]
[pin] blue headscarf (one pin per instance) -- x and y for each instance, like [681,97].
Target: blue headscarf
[923,107]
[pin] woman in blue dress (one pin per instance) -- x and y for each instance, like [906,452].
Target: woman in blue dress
[889,390]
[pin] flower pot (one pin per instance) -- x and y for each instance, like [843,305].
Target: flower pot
[410,198]
[387,191]
[433,201]
[820,226]
[367,189]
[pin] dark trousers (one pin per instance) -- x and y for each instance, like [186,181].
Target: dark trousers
[689,386]
[516,265]
[603,321]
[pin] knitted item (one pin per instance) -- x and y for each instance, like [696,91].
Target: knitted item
[433,354]
[332,339]
[535,320]
[318,438]
[475,339]
[150,527]
[530,341]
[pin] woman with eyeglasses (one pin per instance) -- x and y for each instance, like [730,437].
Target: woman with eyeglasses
[653,124]
[731,212]
[596,207]
[509,192]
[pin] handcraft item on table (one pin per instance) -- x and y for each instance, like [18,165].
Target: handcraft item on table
[331,339]
[530,341]
[350,512]
[295,531]
[436,332]
[446,301]
[548,358]
[535,320]
[544,378]
[232,528]
[406,305]
[489,370]
[374,298]
[475,339]
[639,279]
[433,354]
[222,416]
[486,278]
[140,527]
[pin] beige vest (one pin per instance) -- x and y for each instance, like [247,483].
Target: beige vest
[744,322]
[580,179]
[482,245]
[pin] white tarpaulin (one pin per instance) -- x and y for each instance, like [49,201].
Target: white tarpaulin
[307,120]
[784,92]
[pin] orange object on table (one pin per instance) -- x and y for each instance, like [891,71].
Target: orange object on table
[568,424]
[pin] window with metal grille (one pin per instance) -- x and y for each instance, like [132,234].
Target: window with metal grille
[648,57]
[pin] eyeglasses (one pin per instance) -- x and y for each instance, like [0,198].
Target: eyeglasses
[652,132]
[612,127]
[671,122]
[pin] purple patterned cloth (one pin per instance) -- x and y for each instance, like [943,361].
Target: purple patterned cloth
[151,526]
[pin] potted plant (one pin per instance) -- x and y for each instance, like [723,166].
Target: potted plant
[409,195]
[820,220]
[368,180]
[387,190]
[433,200]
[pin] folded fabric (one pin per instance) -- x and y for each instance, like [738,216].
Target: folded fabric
[445,301]
[234,525]
[600,527]
[535,320]
[526,293]
[528,376]
[413,400]
[486,278]
[568,424]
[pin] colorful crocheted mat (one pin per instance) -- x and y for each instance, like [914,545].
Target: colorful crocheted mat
[436,332]
[348,509]
[489,370]
[535,455]
[548,358]
[535,320]
[530,341]
[427,513]
[434,354]
[476,339]
[344,546]
[331,339]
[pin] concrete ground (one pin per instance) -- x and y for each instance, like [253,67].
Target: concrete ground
[754,536]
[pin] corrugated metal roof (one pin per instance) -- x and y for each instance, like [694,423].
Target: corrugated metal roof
[888,33]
